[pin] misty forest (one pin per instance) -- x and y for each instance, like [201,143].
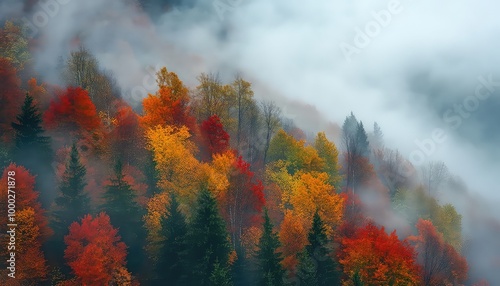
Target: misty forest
[170,143]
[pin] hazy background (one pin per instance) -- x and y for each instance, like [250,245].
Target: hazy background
[427,59]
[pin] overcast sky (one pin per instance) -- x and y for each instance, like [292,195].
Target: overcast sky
[405,64]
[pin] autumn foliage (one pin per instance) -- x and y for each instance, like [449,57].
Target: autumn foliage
[94,250]
[215,138]
[379,258]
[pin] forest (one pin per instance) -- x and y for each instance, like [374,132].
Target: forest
[208,184]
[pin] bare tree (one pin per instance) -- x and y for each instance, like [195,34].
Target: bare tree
[433,175]
[272,120]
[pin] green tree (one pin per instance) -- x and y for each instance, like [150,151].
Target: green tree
[268,258]
[208,240]
[220,276]
[329,153]
[326,269]
[173,247]
[31,149]
[120,203]
[73,202]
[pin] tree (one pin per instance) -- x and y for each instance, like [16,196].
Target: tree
[215,137]
[32,149]
[355,142]
[379,258]
[10,97]
[433,175]
[441,264]
[127,136]
[207,240]
[378,137]
[14,45]
[120,202]
[73,202]
[220,276]
[325,270]
[94,250]
[268,258]
[272,118]
[293,239]
[328,152]
[170,267]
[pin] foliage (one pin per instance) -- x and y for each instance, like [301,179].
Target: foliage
[268,258]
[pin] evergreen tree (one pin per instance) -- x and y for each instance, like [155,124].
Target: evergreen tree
[126,215]
[325,271]
[269,260]
[173,248]
[307,270]
[208,240]
[32,150]
[356,279]
[220,276]
[73,202]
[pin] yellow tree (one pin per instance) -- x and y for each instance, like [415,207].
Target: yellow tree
[312,192]
[329,153]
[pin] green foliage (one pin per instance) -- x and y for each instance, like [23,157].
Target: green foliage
[208,240]
[173,248]
[268,258]
[329,153]
[220,276]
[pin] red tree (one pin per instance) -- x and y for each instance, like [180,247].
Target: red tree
[244,200]
[215,138]
[441,263]
[73,110]
[379,258]
[126,136]
[11,97]
[94,250]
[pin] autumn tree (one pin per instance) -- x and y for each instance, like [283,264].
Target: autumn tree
[268,258]
[325,270]
[433,175]
[293,238]
[244,200]
[73,202]
[272,118]
[120,202]
[173,250]
[94,250]
[170,105]
[32,148]
[215,137]
[379,258]
[441,264]
[393,170]
[14,45]
[208,243]
[328,152]
[127,136]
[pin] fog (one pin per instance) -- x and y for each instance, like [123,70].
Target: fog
[405,68]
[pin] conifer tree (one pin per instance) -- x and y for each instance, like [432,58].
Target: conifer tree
[170,266]
[126,215]
[268,258]
[208,240]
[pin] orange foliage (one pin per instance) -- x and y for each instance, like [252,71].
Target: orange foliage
[94,250]
[39,93]
[293,238]
[379,258]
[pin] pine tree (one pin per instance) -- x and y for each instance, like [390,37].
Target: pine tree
[73,202]
[269,259]
[126,215]
[220,276]
[208,240]
[173,249]
[32,150]
[317,251]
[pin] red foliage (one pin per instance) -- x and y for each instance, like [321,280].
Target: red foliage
[215,138]
[126,136]
[353,214]
[94,250]
[380,258]
[11,97]
[73,110]
[244,200]
[442,264]
[25,195]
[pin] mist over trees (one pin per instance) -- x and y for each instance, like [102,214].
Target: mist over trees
[207,185]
